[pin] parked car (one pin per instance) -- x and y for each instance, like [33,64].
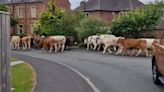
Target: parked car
[158,62]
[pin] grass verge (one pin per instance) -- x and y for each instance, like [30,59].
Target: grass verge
[22,78]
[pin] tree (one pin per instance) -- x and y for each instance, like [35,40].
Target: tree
[3,8]
[13,20]
[137,21]
[49,20]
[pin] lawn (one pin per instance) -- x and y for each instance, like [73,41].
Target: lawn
[22,78]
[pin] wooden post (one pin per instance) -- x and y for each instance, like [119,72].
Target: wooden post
[4,52]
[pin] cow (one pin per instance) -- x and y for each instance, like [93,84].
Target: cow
[108,40]
[15,41]
[149,42]
[134,44]
[70,40]
[49,43]
[92,42]
[102,40]
[36,40]
[61,40]
[26,42]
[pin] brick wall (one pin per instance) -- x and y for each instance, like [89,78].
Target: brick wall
[107,16]
[27,20]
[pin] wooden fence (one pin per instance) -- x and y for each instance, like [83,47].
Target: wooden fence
[4,52]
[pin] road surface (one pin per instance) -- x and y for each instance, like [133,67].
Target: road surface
[109,73]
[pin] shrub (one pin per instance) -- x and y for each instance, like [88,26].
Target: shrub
[137,21]
[90,26]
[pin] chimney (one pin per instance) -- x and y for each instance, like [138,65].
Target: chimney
[83,4]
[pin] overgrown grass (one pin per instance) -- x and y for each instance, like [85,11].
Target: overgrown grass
[22,78]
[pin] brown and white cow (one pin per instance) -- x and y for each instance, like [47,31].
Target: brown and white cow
[92,42]
[134,44]
[61,40]
[15,41]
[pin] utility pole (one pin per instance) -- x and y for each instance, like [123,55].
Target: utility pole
[4,52]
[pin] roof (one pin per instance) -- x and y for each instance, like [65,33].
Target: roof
[19,1]
[161,24]
[111,5]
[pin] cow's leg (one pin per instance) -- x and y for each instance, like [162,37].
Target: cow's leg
[29,45]
[114,48]
[14,46]
[23,46]
[95,46]
[99,47]
[18,45]
[146,52]
[87,46]
[26,46]
[132,52]
[51,48]
[139,52]
[124,50]
[56,48]
[120,49]
[105,48]
[63,46]
[109,50]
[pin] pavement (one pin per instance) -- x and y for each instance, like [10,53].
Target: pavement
[53,77]
[16,62]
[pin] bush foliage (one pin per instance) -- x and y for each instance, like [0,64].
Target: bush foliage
[138,20]
[91,26]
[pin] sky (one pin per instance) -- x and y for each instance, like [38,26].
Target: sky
[75,3]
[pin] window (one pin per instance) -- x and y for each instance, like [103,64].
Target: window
[33,11]
[123,13]
[20,29]
[20,11]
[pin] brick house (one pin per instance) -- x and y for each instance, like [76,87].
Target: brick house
[27,11]
[108,9]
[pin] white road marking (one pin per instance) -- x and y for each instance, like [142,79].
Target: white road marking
[95,89]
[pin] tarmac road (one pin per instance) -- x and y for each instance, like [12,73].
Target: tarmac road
[109,73]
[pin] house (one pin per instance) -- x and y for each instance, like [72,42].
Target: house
[160,29]
[27,11]
[108,9]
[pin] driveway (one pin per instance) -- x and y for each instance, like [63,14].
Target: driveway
[109,73]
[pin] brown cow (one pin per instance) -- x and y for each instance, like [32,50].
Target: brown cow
[49,43]
[134,44]
[26,42]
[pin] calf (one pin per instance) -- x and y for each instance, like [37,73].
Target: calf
[134,44]
[15,41]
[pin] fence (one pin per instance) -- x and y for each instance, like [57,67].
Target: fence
[4,52]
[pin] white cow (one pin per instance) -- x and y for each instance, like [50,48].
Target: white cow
[101,39]
[112,41]
[61,40]
[15,41]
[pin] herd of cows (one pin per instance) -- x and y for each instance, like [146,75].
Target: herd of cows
[120,45]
